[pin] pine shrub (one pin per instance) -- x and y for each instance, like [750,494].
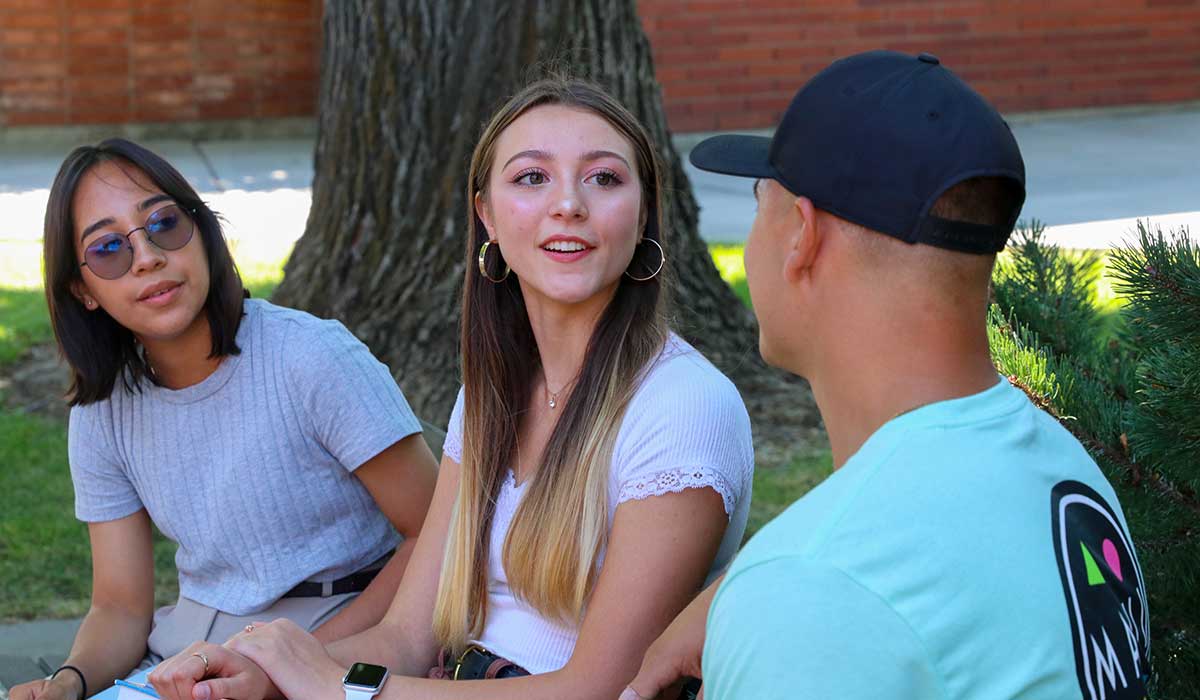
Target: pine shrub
[1132,399]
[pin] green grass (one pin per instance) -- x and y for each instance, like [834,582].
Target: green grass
[1108,302]
[25,322]
[45,560]
[728,259]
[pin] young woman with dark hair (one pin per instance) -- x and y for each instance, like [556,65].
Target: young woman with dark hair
[270,445]
[596,471]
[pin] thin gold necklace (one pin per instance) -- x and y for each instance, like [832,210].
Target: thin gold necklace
[552,396]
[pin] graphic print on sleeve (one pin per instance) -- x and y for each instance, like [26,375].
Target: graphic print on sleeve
[1105,594]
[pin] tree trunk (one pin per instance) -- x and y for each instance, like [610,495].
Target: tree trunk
[406,86]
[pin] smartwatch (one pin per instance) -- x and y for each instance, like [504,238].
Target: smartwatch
[364,681]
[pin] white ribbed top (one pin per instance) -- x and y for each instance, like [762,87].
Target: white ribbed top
[686,427]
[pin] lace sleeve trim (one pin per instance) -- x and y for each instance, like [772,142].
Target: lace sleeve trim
[676,480]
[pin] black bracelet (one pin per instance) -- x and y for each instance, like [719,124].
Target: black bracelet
[82,681]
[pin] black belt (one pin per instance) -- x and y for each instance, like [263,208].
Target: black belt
[356,582]
[477,663]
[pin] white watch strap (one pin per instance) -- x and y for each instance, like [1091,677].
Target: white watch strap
[352,694]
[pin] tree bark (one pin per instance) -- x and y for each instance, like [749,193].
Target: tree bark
[406,87]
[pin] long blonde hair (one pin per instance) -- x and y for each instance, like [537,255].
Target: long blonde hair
[561,526]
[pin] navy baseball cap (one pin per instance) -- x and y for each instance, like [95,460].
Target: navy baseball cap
[876,139]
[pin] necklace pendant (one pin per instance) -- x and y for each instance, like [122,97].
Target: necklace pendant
[553,403]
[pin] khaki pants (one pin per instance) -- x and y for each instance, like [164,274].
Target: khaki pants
[177,626]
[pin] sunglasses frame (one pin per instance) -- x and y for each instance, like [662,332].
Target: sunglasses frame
[188,212]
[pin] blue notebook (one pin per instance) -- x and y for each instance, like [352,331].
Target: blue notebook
[132,688]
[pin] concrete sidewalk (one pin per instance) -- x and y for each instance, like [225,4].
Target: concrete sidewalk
[31,650]
[1090,175]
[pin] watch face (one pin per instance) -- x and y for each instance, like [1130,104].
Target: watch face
[365,675]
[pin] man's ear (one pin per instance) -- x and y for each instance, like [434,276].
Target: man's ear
[804,239]
[484,212]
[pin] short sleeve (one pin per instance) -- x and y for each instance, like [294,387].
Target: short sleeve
[350,399]
[453,445]
[686,427]
[103,490]
[791,628]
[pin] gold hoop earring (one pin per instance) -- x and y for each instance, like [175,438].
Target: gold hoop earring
[662,260]
[483,267]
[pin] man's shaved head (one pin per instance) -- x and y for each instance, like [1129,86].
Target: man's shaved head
[984,200]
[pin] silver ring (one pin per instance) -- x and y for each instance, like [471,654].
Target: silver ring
[249,629]
[203,658]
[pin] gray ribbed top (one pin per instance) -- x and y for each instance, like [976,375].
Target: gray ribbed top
[250,470]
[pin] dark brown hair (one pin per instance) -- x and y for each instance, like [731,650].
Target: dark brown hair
[97,348]
[561,525]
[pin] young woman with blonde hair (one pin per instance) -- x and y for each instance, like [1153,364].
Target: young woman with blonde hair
[596,471]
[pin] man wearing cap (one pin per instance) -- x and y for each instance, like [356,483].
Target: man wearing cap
[966,546]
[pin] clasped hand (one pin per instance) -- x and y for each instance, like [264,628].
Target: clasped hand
[266,661]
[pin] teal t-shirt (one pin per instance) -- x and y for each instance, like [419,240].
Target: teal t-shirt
[970,549]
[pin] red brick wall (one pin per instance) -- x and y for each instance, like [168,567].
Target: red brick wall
[729,64]
[722,63]
[110,61]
